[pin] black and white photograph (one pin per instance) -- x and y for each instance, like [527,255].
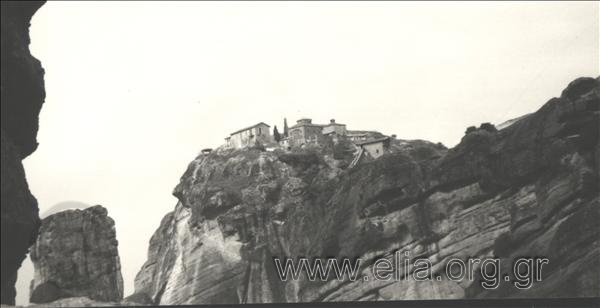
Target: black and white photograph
[300,153]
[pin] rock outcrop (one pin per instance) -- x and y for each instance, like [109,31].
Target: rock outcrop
[22,91]
[76,255]
[86,302]
[530,189]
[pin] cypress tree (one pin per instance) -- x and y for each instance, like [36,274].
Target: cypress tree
[285,128]
[276,134]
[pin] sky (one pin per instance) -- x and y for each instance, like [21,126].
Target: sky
[136,89]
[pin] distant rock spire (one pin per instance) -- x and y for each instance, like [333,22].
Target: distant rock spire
[76,255]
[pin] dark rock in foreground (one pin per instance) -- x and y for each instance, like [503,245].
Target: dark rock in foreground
[76,255]
[22,91]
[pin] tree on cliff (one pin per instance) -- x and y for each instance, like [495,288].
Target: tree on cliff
[276,134]
[285,127]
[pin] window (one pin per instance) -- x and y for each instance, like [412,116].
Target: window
[259,131]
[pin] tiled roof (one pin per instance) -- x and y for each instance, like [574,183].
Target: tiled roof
[373,141]
[249,127]
[308,124]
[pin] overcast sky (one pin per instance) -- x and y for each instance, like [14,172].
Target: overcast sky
[135,90]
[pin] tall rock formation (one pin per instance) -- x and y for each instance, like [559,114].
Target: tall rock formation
[530,189]
[76,255]
[22,95]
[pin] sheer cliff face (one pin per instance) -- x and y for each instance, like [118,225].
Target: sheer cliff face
[530,189]
[22,91]
[76,255]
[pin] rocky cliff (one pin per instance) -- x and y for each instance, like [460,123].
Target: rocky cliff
[530,189]
[22,95]
[76,255]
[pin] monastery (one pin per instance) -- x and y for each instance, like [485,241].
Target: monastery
[304,132]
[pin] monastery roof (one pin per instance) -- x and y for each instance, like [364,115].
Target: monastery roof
[349,133]
[383,139]
[307,124]
[362,132]
[249,127]
[317,125]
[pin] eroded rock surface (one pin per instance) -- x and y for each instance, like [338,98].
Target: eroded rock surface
[530,189]
[76,255]
[22,91]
